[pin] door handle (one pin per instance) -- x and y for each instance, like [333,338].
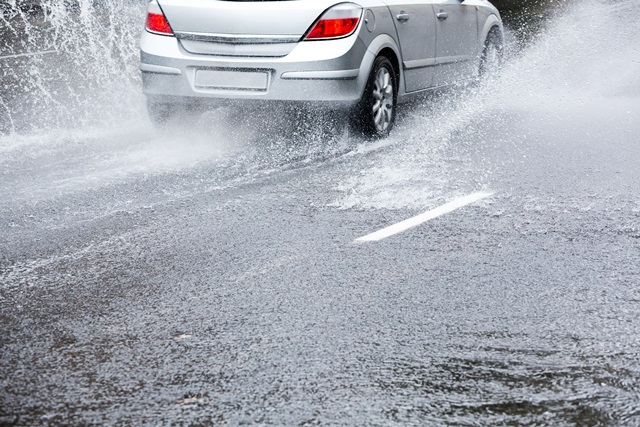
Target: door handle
[442,15]
[402,16]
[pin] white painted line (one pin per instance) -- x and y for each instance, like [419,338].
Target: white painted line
[23,55]
[422,218]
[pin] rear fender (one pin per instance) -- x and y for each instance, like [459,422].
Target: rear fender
[491,22]
[381,42]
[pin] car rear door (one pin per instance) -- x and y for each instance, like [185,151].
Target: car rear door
[242,28]
[457,41]
[415,26]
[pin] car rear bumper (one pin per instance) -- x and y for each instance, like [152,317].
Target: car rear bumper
[315,71]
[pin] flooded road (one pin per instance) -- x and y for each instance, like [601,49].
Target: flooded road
[209,275]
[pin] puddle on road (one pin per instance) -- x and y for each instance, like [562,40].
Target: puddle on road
[218,149]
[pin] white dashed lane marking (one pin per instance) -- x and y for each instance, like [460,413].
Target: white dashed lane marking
[424,217]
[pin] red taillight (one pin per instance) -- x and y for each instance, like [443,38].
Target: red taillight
[339,21]
[157,23]
[333,28]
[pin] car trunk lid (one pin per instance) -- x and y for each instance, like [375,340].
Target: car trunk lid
[242,28]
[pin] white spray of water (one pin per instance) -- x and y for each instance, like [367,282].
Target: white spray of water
[74,119]
[70,67]
[588,58]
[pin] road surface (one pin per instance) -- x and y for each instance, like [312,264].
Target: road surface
[212,274]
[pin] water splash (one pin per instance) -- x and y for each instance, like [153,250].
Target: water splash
[75,97]
[587,59]
[67,65]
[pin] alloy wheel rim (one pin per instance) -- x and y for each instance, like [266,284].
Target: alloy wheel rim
[383,100]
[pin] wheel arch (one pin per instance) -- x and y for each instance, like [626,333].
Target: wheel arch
[384,45]
[395,61]
[491,24]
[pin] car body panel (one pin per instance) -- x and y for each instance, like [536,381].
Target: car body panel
[237,28]
[214,45]
[457,40]
[240,17]
[418,23]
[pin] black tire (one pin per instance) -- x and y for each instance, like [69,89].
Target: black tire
[375,114]
[491,59]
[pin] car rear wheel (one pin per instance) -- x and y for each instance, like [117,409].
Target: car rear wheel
[491,58]
[376,112]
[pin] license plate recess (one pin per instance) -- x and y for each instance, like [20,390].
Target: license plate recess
[241,80]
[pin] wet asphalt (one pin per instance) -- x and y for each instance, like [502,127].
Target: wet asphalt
[208,274]
[252,304]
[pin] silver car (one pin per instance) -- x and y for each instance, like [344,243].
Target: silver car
[365,57]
